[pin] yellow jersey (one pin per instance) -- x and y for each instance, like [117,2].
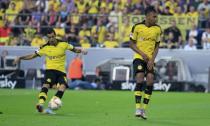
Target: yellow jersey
[55,55]
[145,38]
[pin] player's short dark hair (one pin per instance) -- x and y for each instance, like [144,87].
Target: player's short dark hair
[50,30]
[150,9]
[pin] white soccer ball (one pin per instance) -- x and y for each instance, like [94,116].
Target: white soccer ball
[55,103]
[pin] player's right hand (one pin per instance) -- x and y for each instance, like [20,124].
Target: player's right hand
[16,61]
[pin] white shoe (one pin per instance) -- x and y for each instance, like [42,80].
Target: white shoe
[138,113]
[49,111]
[143,114]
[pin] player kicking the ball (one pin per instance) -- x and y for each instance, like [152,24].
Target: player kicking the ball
[54,51]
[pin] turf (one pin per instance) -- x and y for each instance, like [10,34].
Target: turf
[105,108]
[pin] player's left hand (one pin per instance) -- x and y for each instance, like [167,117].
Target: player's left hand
[84,51]
[150,64]
[16,61]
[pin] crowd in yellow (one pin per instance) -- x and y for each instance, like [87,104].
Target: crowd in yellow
[91,23]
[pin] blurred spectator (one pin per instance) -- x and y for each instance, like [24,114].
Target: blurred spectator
[29,33]
[125,32]
[93,6]
[166,11]
[114,17]
[171,5]
[52,15]
[176,34]
[11,12]
[72,35]
[138,8]
[59,30]
[4,53]
[206,39]
[4,4]
[84,35]
[75,17]
[75,69]
[43,4]
[54,5]
[70,5]
[98,33]
[193,32]
[24,16]
[111,42]
[191,44]
[42,26]
[204,10]
[38,41]
[178,12]
[82,6]
[112,37]
[19,4]
[192,12]
[37,15]
[5,32]
[63,15]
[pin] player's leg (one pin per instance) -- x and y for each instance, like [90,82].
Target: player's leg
[42,97]
[61,79]
[138,67]
[48,81]
[148,93]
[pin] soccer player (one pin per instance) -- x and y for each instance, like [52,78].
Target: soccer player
[54,51]
[145,39]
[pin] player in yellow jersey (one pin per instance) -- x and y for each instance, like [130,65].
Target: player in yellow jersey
[54,51]
[145,39]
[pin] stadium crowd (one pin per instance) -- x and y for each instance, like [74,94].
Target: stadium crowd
[95,23]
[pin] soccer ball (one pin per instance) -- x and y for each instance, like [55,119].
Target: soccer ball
[55,103]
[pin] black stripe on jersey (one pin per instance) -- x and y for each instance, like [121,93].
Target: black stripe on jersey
[37,54]
[44,45]
[143,22]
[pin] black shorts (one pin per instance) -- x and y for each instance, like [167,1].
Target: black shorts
[140,65]
[54,77]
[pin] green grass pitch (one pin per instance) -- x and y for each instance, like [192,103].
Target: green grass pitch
[105,108]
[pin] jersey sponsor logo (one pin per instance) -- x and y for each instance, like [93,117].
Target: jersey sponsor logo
[146,39]
[54,57]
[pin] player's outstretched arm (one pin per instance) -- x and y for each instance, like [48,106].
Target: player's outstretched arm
[78,50]
[26,57]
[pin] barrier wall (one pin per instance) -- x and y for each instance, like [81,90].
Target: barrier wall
[197,61]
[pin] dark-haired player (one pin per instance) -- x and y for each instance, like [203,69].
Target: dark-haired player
[55,52]
[145,39]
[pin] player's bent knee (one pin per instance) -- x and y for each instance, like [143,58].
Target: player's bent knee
[46,85]
[63,87]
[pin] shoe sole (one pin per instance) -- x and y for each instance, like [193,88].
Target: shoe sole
[39,108]
[143,117]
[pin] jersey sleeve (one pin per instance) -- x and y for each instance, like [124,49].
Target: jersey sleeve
[69,46]
[159,35]
[133,34]
[40,52]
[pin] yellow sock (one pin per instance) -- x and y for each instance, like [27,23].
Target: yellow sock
[42,97]
[138,95]
[146,101]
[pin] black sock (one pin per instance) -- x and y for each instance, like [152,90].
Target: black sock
[59,94]
[138,94]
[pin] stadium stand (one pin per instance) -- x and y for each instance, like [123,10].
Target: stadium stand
[23,20]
